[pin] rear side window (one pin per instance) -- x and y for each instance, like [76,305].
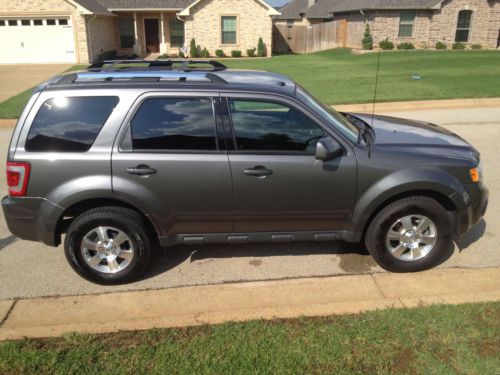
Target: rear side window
[174,124]
[69,124]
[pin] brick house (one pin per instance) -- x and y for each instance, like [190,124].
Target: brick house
[422,22]
[79,31]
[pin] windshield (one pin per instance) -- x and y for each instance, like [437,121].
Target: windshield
[337,120]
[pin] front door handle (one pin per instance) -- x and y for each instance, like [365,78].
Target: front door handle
[258,171]
[141,170]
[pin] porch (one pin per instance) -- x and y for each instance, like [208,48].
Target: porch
[143,33]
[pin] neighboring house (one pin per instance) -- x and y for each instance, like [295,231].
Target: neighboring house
[79,31]
[422,22]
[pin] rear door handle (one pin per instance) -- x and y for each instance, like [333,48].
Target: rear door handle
[258,171]
[141,170]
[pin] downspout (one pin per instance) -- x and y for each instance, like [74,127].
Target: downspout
[184,22]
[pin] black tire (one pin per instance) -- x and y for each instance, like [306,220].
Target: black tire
[419,205]
[126,220]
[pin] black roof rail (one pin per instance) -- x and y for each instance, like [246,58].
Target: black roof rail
[171,64]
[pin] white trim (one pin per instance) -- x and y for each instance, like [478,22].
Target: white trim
[137,47]
[144,9]
[81,9]
[163,46]
[270,10]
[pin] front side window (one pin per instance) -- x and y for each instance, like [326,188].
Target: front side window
[406,21]
[463,26]
[174,124]
[270,126]
[229,24]
[176,28]
[127,34]
[69,124]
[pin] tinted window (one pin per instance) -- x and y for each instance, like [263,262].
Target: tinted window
[174,124]
[69,124]
[268,126]
[51,22]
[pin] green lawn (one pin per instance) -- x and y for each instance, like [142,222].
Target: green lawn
[337,76]
[432,340]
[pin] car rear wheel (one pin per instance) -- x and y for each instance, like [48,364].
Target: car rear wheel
[108,245]
[410,235]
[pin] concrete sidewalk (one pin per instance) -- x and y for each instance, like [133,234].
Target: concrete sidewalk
[214,304]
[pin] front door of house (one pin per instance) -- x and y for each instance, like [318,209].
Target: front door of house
[152,32]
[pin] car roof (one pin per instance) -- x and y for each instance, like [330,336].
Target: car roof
[170,74]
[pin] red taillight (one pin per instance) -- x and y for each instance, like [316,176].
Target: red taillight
[18,174]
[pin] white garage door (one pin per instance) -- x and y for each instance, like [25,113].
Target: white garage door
[36,40]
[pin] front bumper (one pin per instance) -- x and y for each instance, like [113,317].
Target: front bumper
[477,203]
[32,219]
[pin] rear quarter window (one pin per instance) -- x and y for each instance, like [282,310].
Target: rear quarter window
[69,124]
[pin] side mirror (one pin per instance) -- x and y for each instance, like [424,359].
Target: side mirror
[328,149]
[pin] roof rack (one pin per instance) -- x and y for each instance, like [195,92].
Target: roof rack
[171,64]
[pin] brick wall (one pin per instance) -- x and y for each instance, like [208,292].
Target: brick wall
[204,24]
[103,35]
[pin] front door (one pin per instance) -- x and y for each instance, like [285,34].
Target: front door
[170,165]
[152,32]
[279,185]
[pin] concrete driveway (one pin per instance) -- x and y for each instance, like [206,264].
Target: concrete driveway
[18,78]
[33,270]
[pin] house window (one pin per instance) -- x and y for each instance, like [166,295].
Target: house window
[63,22]
[228,29]
[127,33]
[12,22]
[26,22]
[463,26]
[176,28]
[406,21]
[51,22]
[2,22]
[289,23]
[38,22]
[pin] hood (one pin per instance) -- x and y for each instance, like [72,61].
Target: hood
[396,131]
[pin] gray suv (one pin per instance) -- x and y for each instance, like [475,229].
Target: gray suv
[126,157]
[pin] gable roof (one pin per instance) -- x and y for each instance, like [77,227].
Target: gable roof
[91,7]
[326,8]
[270,10]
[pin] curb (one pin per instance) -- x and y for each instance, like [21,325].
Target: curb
[421,105]
[214,304]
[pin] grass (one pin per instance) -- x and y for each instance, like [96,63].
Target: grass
[339,77]
[431,340]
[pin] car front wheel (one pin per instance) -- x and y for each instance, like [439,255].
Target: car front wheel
[108,245]
[410,235]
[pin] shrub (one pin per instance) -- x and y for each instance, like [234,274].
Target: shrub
[441,45]
[367,40]
[251,52]
[193,49]
[108,55]
[476,46]
[261,48]
[235,53]
[386,44]
[205,53]
[406,45]
[458,46]
[181,54]
[220,53]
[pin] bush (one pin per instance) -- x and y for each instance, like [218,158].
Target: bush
[108,55]
[386,44]
[367,41]
[205,53]
[441,45]
[476,46]
[251,52]
[235,53]
[261,48]
[406,45]
[458,46]
[193,49]
[181,54]
[220,53]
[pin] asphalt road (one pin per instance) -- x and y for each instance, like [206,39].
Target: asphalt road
[33,270]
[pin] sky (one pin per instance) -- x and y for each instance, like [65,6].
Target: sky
[277,2]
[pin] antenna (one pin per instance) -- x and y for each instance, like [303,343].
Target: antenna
[376,87]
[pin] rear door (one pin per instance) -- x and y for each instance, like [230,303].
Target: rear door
[279,185]
[170,162]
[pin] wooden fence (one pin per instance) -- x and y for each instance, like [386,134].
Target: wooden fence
[305,39]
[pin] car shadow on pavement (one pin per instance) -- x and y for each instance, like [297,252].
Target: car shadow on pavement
[354,258]
[4,242]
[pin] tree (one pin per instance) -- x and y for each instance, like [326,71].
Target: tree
[261,48]
[193,50]
[368,39]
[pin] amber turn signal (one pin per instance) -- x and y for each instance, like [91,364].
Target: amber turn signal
[474,174]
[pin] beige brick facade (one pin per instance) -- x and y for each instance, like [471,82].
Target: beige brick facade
[253,21]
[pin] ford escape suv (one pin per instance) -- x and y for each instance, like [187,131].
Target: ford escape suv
[125,157]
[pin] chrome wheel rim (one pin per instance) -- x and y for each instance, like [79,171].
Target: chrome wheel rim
[107,250]
[411,238]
